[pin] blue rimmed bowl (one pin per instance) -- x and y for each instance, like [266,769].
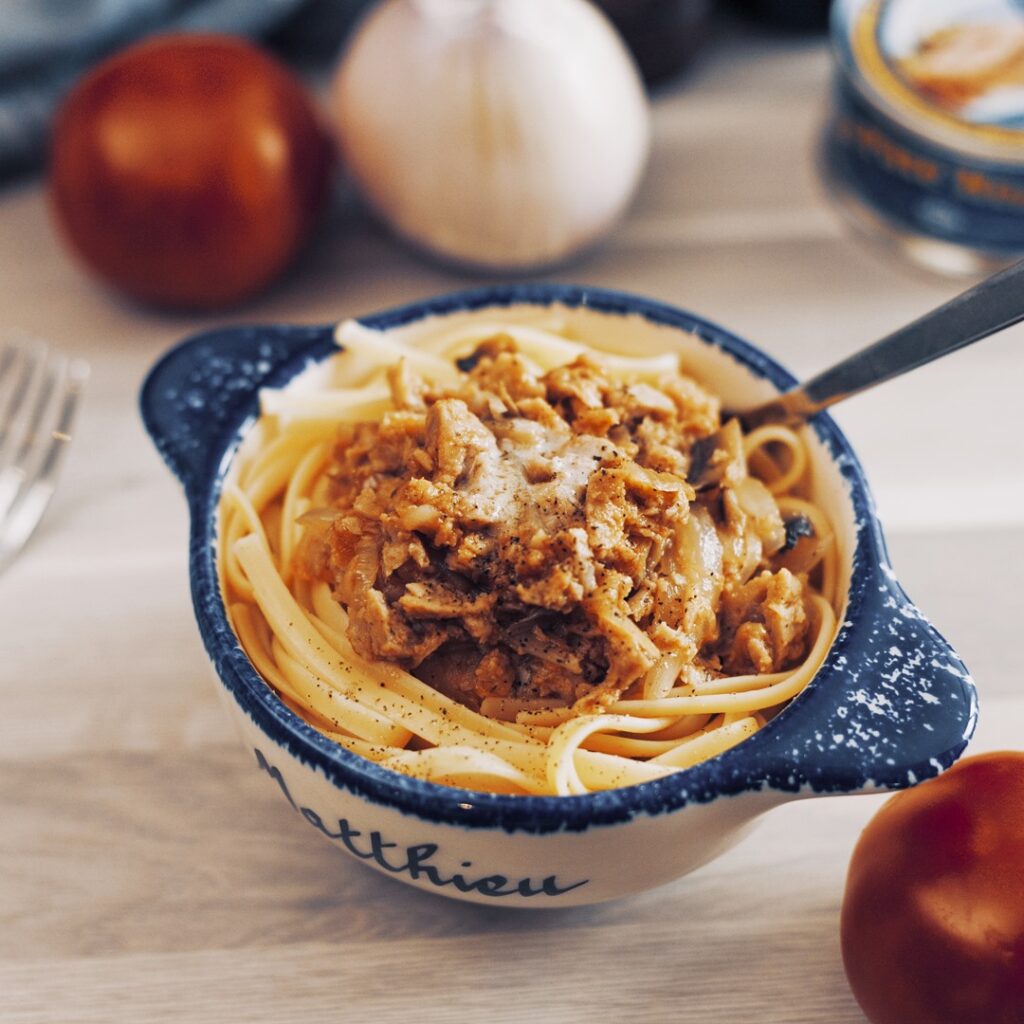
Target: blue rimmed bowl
[891,706]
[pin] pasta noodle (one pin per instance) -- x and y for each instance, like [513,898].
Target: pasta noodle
[751,561]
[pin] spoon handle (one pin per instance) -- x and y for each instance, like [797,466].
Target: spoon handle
[988,307]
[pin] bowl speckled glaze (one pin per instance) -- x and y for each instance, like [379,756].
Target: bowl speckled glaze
[892,704]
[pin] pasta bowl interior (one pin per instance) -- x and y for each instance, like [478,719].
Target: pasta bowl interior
[520,715]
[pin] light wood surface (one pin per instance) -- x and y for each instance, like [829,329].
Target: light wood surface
[147,875]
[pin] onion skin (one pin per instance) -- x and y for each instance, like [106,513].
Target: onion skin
[187,171]
[932,924]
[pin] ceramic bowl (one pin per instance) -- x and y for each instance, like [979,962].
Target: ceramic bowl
[891,706]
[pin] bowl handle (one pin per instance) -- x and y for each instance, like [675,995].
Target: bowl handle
[892,705]
[197,395]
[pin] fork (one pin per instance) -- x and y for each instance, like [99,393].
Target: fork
[39,396]
[988,307]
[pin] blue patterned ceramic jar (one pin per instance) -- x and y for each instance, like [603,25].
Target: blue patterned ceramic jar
[892,704]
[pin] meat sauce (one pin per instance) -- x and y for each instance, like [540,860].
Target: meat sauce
[535,535]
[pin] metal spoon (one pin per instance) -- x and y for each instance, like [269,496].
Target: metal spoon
[988,307]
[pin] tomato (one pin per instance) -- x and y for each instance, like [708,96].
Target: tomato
[188,170]
[933,917]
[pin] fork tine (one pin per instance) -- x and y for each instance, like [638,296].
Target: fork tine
[18,401]
[76,373]
[21,445]
[38,481]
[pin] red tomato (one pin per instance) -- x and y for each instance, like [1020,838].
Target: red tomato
[188,170]
[933,917]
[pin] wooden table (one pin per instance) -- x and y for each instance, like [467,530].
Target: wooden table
[148,874]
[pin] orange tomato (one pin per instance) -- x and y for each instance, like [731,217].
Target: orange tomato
[933,917]
[188,170]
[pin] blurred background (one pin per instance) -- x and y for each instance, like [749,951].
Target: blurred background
[47,44]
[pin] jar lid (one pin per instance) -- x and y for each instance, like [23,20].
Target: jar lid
[949,70]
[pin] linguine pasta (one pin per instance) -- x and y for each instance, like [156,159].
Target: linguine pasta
[504,561]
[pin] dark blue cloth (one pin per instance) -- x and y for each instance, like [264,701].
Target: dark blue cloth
[46,44]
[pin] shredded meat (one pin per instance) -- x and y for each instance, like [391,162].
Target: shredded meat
[535,535]
[765,623]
